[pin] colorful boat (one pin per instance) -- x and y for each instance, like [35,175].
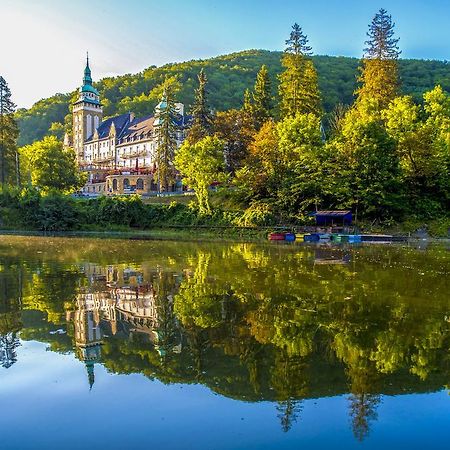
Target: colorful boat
[350,238]
[277,237]
[317,237]
[314,237]
[290,237]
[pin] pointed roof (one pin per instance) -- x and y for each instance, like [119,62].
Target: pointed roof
[87,79]
[87,72]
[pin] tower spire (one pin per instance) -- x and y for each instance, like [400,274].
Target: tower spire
[87,79]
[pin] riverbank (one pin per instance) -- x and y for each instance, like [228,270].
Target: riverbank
[172,234]
[182,235]
[29,211]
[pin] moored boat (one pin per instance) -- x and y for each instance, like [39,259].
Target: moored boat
[316,237]
[277,236]
[290,237]
[351,238]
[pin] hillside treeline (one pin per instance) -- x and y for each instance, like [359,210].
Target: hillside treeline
[229,76]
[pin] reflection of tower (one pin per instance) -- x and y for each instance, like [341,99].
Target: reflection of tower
[88,337]
[8,345]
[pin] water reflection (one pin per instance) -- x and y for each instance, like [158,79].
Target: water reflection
[281,324]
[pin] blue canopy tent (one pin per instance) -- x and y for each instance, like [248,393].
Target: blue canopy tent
[330,218]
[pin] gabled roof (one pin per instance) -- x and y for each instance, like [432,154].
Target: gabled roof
[138,127]
[128,127]
[120,123]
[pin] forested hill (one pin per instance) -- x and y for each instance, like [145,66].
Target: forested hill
[228,76]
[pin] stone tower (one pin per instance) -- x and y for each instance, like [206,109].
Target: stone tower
[87,114]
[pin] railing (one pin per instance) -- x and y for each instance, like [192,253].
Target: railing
[103,159]
[133,154]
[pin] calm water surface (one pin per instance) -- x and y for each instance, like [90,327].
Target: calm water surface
[137,344]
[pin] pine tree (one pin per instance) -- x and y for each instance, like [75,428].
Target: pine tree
[201,115]
[379,72]
[166,127]
[299,90]
[262,98]
[247,106]
[9,160]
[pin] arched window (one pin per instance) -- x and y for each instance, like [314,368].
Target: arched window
[126,183]
[88,125]
[140,184]
[114,185]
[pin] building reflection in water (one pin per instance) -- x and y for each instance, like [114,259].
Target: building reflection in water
[119,303]
[8,349]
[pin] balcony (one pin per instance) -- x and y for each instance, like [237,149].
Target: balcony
[134,154]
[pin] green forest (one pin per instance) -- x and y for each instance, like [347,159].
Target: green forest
[228,77]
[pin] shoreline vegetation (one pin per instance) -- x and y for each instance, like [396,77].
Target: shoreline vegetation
[175,218]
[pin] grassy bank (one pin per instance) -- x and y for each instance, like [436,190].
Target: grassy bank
[28,210]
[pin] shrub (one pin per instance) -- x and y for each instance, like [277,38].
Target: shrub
[57,212]
[257,214]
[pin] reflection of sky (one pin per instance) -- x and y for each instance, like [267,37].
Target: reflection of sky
[45,402]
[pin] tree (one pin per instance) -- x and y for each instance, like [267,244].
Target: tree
[379,72]
[166,119]
[201,115]
[299,90]
[423,149]
[247,106]
[201,164]
[261,167]
[300,154]
[57,129]
[48,165]
[9,160]
[235,128]
[368,166]
[262,98]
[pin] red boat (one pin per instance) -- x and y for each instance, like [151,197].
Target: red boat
[277,237]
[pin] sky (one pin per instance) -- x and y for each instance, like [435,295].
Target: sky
[44,42]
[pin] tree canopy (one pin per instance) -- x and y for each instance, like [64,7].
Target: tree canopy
[48,165]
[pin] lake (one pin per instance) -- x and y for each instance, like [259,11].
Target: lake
[127,344]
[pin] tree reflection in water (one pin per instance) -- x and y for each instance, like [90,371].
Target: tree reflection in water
[275,323]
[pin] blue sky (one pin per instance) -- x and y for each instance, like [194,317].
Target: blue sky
[48,39]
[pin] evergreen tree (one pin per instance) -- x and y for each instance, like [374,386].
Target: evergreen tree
[166,127]
[201,116]
[9,160]
[262,98]
[247,106]
[379,72]
[299,90]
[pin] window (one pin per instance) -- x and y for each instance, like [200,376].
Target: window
[140,183]
[126,183]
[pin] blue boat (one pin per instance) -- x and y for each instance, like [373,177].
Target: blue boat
[351,238]
[289,237]
[317,237]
